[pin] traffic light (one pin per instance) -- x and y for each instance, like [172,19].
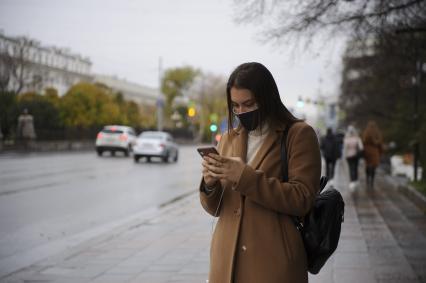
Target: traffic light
[213,127]
[191,111]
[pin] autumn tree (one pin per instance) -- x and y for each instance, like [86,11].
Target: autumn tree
[86,105]
[209,92]
[46,114]
[8,114]
[148,116]
[176,82]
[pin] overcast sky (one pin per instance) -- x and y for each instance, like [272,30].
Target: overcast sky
[127,37]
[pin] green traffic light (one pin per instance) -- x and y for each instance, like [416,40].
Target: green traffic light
[213,127]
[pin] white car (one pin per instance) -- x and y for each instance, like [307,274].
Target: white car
[155,144]
[115,138]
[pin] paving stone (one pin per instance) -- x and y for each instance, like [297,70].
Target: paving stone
[112,278]
[353,275]
[351,245]
[351,260]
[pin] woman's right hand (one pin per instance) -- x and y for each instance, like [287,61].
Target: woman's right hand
[209,180]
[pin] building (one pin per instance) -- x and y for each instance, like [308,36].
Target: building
[131,91]
[27,65]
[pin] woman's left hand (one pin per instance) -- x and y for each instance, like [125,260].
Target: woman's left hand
[228,168]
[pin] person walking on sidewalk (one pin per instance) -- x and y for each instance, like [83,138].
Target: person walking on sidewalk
[352,150]
[373,148]
[255,239]
[330,152]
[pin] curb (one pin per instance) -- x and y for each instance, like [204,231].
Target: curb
[64,146]
[50,146]
[411,193]
[416,197]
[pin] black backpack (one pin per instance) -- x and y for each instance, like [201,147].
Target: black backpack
[320,230]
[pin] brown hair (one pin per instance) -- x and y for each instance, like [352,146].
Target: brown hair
[372,134]
[259,80]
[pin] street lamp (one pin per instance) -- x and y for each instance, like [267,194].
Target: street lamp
[300,102]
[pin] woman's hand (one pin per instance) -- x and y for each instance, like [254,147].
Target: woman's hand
[209,180]
[221,167]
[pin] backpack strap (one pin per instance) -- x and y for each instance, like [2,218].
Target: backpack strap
[284,164]
[284,172]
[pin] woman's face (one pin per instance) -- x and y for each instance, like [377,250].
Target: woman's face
[242,100]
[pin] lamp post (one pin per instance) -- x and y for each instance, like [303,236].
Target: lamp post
[160,99]
[419,68]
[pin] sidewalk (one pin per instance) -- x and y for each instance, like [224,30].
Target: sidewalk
[173,246]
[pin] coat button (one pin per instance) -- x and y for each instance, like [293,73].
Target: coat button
[243,248]
[237,212]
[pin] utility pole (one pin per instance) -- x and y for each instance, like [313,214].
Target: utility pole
[160,99]
[202,111]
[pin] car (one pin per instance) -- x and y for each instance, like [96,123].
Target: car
[115,138]
[155,144]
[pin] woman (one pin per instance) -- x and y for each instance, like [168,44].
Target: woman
[255,239]
[352,147]
[373,145]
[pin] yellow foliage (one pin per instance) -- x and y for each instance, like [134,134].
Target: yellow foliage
[86,104]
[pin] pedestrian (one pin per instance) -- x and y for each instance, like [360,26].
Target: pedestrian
[26,132]
[330,151]
[373,149]
[255,239]
[352,150]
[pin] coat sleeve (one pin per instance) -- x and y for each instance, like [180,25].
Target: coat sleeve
[296,196]
[211,202]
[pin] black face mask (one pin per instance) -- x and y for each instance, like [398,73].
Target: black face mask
[249,120]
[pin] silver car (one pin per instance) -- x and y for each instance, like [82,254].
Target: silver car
[155,144]
[115,138]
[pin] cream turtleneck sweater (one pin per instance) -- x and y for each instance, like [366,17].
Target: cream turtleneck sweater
[255,140]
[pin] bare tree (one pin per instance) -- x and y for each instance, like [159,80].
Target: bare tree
[288,20]
[15,66]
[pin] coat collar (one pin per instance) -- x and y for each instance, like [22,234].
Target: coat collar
[239,144]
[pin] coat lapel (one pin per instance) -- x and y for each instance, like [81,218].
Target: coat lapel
[239,144]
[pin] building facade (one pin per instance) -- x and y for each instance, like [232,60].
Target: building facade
[27,65]
[131,91]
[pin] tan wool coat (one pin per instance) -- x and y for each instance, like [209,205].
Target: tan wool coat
[255,239]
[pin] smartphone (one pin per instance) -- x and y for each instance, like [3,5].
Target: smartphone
[203,151]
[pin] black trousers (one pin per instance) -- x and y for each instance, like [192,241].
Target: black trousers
[353,168]
[329,168]
[370,172]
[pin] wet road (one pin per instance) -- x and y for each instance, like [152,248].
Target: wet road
[48,197]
